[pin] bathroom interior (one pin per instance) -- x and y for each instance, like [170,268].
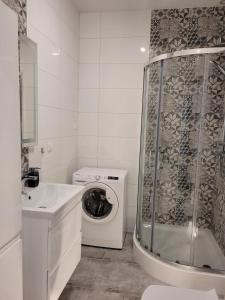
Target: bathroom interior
[113,149]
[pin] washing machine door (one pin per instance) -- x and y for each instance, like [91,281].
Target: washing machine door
[99,202]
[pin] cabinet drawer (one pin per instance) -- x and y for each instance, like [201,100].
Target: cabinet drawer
[63,235]
[11,283]
[58,279]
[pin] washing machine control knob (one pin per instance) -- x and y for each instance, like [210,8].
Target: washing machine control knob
[97,177]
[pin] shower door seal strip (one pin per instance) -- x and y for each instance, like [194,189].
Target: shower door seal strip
[142,147]
[155,182]
[187,52]
[198,168]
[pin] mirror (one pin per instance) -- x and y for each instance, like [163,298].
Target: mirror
[28,90]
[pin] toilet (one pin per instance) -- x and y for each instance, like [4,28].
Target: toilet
[157,292]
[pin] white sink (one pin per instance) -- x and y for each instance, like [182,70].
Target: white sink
[48,198]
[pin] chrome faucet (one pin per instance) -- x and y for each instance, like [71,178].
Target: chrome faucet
[33,175]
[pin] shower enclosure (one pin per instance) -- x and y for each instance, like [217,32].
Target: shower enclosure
[181,202]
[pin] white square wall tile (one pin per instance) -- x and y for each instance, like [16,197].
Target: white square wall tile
[69,97]
[87,146]
[46,60]
[132,193]
[132,212]
[68,150]
[67,123]
[48,122]
[108,148]
[124,50]
[56,175]
[88,100]
[37,9]
[89,50]
[49,89]
[111,148]
[87,163]
[131,218]
[51,159]
[88,124]
[68,41]
[121,76]
[128,148]
[125,24]
[68,69]
[121,101]
[119,125]
[89,76]
[89,25]
[67,12]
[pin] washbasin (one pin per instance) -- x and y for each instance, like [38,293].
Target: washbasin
[48,198]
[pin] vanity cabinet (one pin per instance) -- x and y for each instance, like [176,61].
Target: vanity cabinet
[51,251]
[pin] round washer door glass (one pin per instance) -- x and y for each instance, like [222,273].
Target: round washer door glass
[96,204]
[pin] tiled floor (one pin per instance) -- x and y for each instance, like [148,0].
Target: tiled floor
[105,274]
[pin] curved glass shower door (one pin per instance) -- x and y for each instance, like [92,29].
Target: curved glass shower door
[147,163]
[181,156]
[178,149]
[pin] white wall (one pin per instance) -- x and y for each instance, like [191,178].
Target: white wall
[54,26]
[110,92]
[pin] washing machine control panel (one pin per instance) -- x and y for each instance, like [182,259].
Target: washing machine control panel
[113,178]
[98,177]
[93,177]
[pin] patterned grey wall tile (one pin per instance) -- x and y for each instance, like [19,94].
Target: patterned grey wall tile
[178,29]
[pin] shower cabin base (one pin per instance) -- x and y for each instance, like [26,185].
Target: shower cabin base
[179,275]
[205,251]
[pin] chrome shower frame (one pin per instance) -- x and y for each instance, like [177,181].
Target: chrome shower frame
[161,58]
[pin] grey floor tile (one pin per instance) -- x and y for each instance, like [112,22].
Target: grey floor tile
[75,294]
[85,273]
[125,255]
[108,274]
[122,277]
[92,252]
[102,295]
[129,240]
[86,294]
[131,298]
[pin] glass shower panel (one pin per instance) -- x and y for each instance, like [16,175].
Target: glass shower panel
[180,115]
[209,233]
[148,152]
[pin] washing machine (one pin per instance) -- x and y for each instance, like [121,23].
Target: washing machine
[103,206]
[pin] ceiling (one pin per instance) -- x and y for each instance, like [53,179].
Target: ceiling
[115,5]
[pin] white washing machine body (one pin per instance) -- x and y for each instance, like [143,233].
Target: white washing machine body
[103,206]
